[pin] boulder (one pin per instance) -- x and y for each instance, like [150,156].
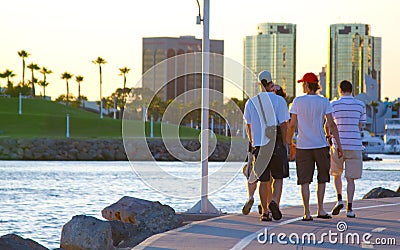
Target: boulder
[13,241]
[147,215]
[86,232]
[127,235]
[381,193]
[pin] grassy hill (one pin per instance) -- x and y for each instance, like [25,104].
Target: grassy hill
[46,119]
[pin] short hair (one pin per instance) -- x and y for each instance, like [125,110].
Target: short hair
[346,86]
[313,86]
[264,83]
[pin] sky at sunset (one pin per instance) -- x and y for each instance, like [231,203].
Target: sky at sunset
[68,35]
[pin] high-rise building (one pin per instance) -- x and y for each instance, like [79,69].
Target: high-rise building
[182,71]
[272,49]
[322,81]
[353,54]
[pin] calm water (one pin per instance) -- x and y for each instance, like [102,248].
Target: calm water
[37,198]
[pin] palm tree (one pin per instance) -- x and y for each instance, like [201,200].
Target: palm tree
[124,71]
[100,61]
[44,84]
[79,79]
[23,54]
[45,71]
[67,76]
[33,67]
[8,74]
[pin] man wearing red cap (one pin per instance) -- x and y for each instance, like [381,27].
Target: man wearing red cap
[308,113]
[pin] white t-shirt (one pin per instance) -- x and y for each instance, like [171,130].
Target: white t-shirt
[311,111]
[275,110]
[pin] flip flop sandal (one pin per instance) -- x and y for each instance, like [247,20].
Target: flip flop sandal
[325,216]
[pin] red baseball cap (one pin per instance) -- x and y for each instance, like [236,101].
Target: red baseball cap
[309,77]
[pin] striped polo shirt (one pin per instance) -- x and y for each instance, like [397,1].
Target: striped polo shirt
[348,112]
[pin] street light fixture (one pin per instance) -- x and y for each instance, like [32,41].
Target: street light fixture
[204,205]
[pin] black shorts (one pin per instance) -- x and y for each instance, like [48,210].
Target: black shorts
[278,165]
[305,165]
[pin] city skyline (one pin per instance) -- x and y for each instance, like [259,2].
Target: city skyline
[67,37]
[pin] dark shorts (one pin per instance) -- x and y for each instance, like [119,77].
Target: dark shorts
[305,165]
[278,166]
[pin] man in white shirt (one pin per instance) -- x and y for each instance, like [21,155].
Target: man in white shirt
[266,115]
[349,115]
[308,113]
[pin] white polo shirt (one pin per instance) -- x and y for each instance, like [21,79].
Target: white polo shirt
[348,112]
[276,113]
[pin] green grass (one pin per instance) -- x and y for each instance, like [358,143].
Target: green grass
[46,119]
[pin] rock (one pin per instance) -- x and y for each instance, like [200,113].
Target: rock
[85,232]
[381,193]
[127,235]
[13,241]
[147,215]
[398,190]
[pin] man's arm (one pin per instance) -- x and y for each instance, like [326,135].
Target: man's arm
[284,127]
[291,128]
[248,126]
[334,131]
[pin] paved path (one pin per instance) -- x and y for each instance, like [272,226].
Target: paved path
[377,221]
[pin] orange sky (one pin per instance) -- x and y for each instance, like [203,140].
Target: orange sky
[68,35]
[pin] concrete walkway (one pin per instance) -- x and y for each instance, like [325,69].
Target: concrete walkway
[377,226]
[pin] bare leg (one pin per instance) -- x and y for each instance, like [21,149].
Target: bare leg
[305,194]
[350,190]
[251,189]
[277,190]
[320,197]
[265,193]
[338,183]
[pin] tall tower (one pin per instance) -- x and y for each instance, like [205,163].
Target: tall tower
[353,54]
[272,49]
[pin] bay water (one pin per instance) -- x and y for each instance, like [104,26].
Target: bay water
[38,197]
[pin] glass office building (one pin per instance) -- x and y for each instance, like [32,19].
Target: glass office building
[353,54]
[272,49]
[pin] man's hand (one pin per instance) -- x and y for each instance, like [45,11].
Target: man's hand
[329,140]
[340,152]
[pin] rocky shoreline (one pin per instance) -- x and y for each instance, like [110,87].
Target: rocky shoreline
[111,150]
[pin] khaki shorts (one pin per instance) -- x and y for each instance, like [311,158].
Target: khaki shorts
[351,160]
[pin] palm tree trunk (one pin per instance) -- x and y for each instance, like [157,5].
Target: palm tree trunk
[101,82]
[44,87]
[23,71]
[79,90]
[33,85]
[67,93]
[124,81]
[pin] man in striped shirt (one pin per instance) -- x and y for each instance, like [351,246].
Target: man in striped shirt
[349,114]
